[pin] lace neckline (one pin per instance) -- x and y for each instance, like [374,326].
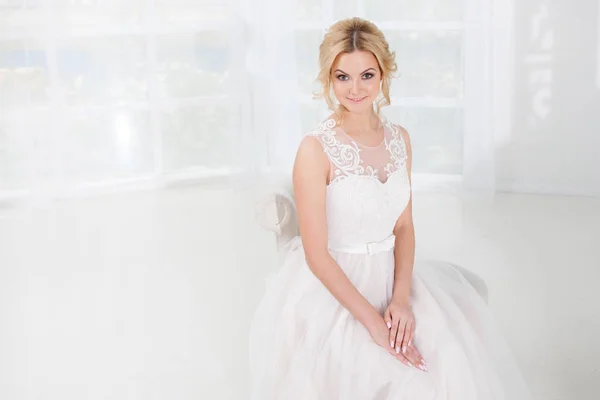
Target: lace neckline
[346,159]
[353,140]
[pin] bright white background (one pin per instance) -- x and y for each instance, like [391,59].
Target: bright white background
[103,95]
[147,295]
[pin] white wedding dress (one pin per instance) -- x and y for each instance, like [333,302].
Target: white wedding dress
[305,346]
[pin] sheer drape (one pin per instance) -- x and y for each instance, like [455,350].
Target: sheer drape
[112,95]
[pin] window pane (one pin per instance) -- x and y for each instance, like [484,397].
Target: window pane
[196,136]
[179,12]
[193,65]
[414,10]
[21,16]
[23,74]
[309,10]
[107,144]
[18,148]
[311,114]
[429,63]
[436,137]
[90,14]
[346,9]
[101,70]
[307,56]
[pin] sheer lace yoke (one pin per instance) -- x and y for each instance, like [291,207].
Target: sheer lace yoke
[348,158]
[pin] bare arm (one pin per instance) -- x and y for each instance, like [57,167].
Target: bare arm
[399,314]
[311,170]
[404,250]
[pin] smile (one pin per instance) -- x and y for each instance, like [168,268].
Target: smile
[357,100]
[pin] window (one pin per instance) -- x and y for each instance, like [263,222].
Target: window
[427,97]
[97,93]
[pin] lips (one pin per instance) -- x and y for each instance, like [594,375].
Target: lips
[357,100]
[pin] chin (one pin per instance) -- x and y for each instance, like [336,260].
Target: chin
[362,106]
[359,108]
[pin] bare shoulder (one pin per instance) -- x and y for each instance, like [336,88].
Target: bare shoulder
[310,144]
[311,160]
[310,150]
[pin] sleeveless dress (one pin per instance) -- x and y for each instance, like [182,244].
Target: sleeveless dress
[304,345]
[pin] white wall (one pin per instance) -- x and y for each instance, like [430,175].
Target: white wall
[554,141]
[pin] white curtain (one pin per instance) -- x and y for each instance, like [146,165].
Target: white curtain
[103,95]
[436,42]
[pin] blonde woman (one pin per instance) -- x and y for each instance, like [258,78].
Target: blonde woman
[350,315]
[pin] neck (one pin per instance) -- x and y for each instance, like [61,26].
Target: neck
[360,122]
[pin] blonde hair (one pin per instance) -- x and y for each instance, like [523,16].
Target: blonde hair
[350,35]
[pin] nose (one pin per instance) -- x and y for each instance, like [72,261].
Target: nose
[355,89]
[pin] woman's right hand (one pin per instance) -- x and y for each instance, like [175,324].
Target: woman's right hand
[381,335]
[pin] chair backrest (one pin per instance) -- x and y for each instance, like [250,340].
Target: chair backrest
[275,209]
[287,217]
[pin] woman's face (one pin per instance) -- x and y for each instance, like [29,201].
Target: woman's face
[356,80]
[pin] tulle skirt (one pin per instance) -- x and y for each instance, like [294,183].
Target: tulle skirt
[305,346]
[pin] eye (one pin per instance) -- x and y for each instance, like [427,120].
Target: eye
[342,77]
[368,75]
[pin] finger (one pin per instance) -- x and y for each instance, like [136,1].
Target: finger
[407,332]
[391,351]
[412,348]
[413,355]
[393,332]
[411,333]
[400,335]
[404,360]
[387,317]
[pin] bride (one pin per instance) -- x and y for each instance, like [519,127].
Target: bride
[351,314]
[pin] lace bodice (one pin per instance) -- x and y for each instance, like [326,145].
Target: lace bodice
[368,187]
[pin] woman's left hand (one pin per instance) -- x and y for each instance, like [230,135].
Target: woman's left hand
[401,323]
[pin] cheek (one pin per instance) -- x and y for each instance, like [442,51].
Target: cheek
[339,89]
[373,86]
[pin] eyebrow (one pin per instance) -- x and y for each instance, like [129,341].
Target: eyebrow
[366,70]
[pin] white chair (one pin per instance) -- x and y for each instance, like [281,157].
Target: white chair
[276,211]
